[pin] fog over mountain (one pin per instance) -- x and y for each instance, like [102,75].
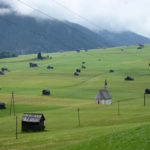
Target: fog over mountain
[26,28]
[112,15]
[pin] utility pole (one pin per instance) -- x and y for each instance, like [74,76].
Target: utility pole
[12,104]
[16,127]
[78,110]
[118,108]
[144,100]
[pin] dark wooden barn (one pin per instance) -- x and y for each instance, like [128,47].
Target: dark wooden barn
[78,70]
[2,106]
[76,74]
[46,92]
[32,122]
[50,67]
[128,78]
[83,67]
[111,71]
[147,91]
[32,65]
[140,46]
[4,69]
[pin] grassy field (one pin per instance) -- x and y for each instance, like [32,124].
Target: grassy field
[101,127]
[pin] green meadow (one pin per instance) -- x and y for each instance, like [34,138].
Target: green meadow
[101,126]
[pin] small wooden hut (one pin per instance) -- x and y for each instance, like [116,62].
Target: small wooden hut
[32,122]
[32,65]
[3,69]
[76,73]
[140,46]
[46,92]
[83,67]
[147,91]
[128,78]
[50,67]
[111,71]
[78,70]
[2,106]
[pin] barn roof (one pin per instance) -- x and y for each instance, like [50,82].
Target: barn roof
[35,118]
[2,104]
[103,94]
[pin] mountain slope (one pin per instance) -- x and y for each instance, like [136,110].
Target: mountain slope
[25,33]
[123,38]
[22,34]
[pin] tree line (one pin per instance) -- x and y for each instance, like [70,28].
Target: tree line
[7,55]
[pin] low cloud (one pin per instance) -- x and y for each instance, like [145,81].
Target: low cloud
[4,11]
[114,15]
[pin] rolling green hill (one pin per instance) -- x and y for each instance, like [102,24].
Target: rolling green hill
[101,126]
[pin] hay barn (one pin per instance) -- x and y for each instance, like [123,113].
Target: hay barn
[2,106]
[147,91]
[76,74]
[46,92]
[78,70]
[50,67]
[32,122]
[4,69]
[128,78]
[83,67]
[140,46]
[111,71]
[32,65]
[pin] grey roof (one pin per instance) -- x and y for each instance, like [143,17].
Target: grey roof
[32,118]
[103,94]
[2,104]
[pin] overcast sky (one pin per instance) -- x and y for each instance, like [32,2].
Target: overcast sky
[114,15]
